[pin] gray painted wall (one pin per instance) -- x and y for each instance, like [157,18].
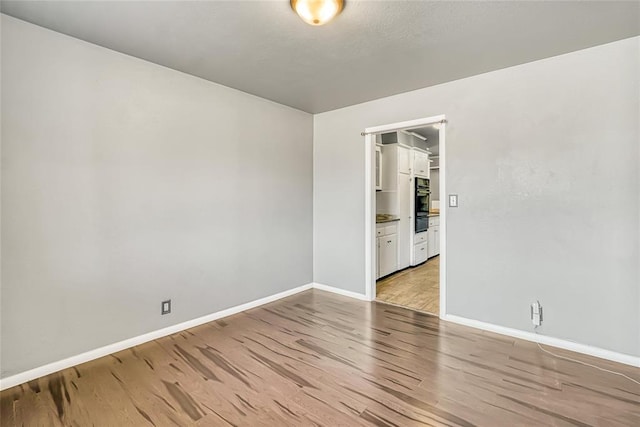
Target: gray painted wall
[125,183]
[545,159]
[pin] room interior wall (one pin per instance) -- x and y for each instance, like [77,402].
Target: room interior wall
[544,157]
[139,183]
[125,183]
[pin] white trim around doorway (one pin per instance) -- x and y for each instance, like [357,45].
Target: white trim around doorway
[370,204]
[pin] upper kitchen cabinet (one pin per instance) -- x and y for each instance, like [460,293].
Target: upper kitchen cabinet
[396,159]
[410,155]
[404,160]
[420,163]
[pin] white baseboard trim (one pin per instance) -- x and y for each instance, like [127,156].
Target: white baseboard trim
[547,340]
[339,291]
[69,362]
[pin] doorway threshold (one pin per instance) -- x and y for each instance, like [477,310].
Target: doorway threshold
[406,308]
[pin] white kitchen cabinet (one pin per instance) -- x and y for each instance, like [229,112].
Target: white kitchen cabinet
[420,164]
[436,246]
[389,168]
[404,160]
[387,254]
[434,236]
[420,238]
[420,248]
[396,198]
[421,253]
[396,162]
[387,248]
[378,167]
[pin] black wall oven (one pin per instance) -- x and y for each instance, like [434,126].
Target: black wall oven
[423,196]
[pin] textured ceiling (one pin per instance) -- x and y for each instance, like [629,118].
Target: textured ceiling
[373,49]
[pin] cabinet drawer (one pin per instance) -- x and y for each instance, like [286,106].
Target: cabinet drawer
[390,229]
[421,253]
[434,220]
[379,231]
[420,238]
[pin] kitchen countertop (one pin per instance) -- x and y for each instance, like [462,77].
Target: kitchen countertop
[382,218]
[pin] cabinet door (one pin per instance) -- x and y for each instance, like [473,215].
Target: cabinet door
[378,168]
[421,253]
[415,157]
[404,160]
[436,240]
[430,241]
[388,255]
[421,164]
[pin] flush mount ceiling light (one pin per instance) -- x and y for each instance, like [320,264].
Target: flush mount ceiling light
[317,12]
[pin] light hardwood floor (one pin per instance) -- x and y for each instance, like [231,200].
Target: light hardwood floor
[317,358]
[414,287]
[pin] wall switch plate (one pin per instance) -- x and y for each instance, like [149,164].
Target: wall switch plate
[536,313]
[166,306]
[453,200]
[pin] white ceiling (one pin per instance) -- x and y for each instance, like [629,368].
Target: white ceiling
[373,49]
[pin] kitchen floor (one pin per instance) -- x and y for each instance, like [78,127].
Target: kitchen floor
[417,287]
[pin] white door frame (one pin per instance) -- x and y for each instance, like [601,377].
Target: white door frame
[370,203]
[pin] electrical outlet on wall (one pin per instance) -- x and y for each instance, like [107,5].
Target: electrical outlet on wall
[536,313]
[166,307]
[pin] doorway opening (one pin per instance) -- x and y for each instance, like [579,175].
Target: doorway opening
[405,234]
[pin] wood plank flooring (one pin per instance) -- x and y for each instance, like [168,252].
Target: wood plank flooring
[317,358]
[417,287]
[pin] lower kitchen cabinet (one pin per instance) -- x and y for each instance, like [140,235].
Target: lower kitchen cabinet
[388,254]
[421,253]
[420,248]
[434,236]
[387,249]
